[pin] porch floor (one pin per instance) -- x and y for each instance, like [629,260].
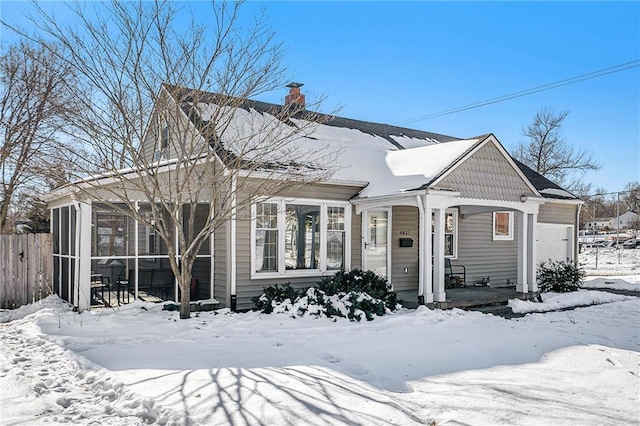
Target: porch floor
[467,297]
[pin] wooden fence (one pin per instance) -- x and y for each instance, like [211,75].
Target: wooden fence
[26,269]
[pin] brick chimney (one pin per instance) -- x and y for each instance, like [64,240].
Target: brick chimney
[294,96]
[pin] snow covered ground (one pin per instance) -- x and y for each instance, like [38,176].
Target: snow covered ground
[139,364]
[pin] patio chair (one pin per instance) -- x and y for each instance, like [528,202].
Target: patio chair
[454,275]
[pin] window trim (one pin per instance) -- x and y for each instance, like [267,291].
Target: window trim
[282,205]
[510,234]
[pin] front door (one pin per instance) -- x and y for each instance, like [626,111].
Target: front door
[376,241]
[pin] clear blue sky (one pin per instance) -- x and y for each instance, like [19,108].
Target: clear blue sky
[394,61]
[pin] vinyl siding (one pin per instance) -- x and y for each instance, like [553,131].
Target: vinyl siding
[404,224]
[486,175]
[481,255]
[558,213]
[181,133]
[246,288]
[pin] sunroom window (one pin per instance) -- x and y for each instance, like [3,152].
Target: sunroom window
[298,236]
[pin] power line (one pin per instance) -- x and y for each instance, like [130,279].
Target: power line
[549,86]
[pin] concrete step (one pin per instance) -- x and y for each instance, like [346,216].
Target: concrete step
[501,310]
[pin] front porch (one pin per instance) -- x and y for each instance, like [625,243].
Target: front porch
[468,297]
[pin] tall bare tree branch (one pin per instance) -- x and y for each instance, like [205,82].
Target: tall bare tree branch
[35,102]
[548,153]
[150,138]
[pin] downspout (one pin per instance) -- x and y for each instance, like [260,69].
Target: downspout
[576,244]
[233,243]
[420,251]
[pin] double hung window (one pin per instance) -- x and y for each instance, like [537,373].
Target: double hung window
[299,237]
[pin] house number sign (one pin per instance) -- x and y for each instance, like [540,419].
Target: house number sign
[405,232]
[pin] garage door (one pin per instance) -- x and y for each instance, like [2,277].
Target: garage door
[555,242]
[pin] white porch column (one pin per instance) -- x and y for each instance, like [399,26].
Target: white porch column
[438,256]
[523,259]
[532,238]
[421,233]
[425,255]
[83,255]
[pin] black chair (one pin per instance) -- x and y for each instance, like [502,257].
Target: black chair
[454,275]
[122,284]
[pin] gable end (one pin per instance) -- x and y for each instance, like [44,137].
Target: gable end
[486,174]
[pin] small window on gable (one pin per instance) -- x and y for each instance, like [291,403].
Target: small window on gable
[164,138]
[503,226]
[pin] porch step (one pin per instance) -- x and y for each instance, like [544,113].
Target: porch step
[482,299]
[501,310]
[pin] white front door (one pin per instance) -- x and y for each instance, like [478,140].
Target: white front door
[376,232]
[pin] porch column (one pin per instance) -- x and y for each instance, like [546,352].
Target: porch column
[438,256]
[425,255]
[532,251]
[83,255]
[523,259]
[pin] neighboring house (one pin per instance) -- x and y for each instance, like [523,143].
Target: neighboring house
[400,202]
[628,220]
[599,223]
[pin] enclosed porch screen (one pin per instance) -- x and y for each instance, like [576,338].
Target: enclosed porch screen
[300,235]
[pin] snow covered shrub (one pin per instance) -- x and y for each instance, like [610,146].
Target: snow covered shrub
[359,281]
[273,296]
[559,276]
[355,295]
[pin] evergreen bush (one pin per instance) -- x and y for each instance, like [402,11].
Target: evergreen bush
[559,276]
[275,295]
[352,294]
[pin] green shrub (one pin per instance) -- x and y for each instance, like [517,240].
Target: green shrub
[273,296]
[359,281]
[354,294]
[559,276]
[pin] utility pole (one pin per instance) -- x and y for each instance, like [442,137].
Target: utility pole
[618,224]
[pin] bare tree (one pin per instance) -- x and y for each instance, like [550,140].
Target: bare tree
[548,153]
[34,104]
[162,124]
[631,197]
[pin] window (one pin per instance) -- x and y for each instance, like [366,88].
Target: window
[503,226]
[335,237]
[162,144]
[450,232]
[299,236]
[164,138]
[302,236]
[266,240]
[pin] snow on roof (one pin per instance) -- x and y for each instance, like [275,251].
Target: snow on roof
[556,192]
[395,171]
[359,156]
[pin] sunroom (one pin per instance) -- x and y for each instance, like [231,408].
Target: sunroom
[103,257]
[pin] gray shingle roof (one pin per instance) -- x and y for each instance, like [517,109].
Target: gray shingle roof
[385,131]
